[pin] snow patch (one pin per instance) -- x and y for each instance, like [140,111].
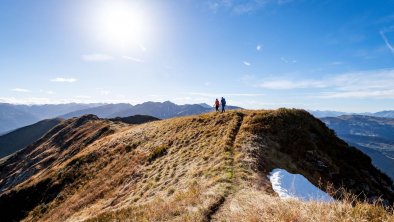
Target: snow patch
[288,185]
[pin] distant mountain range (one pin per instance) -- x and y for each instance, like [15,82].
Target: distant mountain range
[328,113]
[16,116]
[372,135]
[161,110]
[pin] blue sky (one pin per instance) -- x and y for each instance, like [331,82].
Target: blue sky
[312,54]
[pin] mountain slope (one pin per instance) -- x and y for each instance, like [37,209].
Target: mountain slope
[20,138]
[194,168]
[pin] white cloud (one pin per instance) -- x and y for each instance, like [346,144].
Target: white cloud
[105,92]
[288,84]
[259,47]
[29,100]
[83,97]
[96,57]
[133,59]
[20,90]
[246,63]
[242,7]
[362,84]
[288,60]
[385,39]
[336,63]
[142,47]
[61,79]
[361,94]
[50,92]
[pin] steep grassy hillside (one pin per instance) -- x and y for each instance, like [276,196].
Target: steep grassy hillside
[20,138]
[197,168]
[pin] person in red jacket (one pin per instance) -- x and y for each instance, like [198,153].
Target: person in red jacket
[217,104]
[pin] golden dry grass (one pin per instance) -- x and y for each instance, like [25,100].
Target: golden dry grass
[252,205]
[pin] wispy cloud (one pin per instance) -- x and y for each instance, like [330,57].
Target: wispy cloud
[21,90]
[83,97]
[61,79]
[386,40]
[50,92]
[362,84]
[142,47]
[97,57]
[288,60]
[382,94]
[29,100]
[133,59]
[105,92]
[336,63]
[259,47]
[288,84]
[246,63]
[240,7]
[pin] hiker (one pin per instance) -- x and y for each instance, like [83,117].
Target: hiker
[223,101]
[217,105]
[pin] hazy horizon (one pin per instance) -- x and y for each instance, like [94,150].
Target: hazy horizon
[258,54]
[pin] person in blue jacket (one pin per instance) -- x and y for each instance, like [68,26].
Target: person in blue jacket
[223,102]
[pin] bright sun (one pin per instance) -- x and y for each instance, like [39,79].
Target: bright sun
[121,25]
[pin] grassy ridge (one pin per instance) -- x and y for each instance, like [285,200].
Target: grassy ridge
[200,168]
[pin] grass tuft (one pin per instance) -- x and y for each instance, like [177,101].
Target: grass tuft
[158,152]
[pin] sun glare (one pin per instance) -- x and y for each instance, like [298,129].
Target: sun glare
[121,25]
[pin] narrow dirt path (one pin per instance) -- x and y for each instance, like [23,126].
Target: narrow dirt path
[230,166]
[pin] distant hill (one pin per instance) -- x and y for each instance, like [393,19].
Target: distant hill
[11,117]
[16,116]
[328,113]
[102,111]
[373,135]
[162,110]
[22,137]
[205,105]
[320,114]
[206,167]
[48,111]
[386,114]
